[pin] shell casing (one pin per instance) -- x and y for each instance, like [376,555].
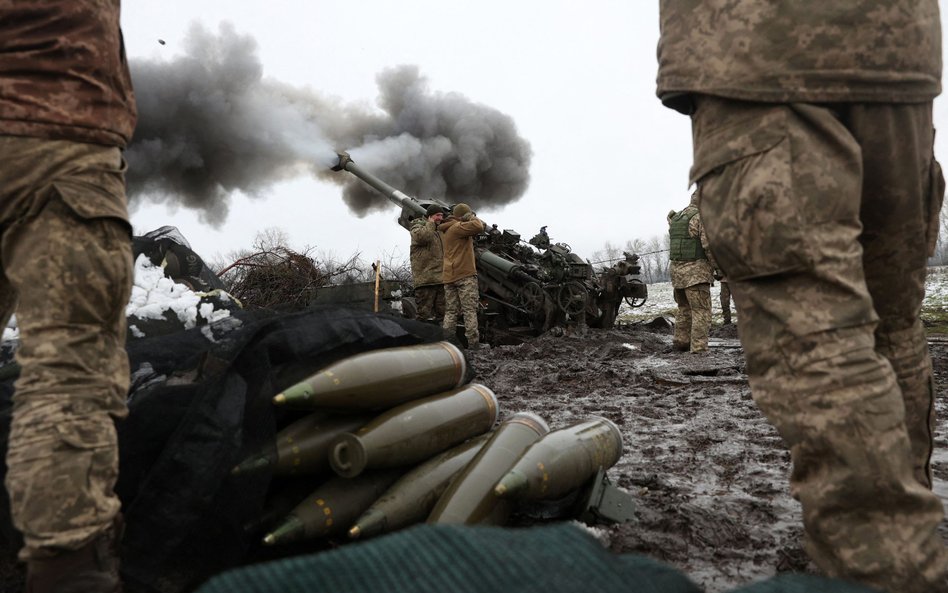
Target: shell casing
[380,379]
[411,498]
[414,432]
[470,498]
[562,461]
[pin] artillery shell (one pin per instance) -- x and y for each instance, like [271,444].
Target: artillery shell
[470,498]
[380,379]
[412,497]
[303,446]
[332,507]
[415,431]
[562,461]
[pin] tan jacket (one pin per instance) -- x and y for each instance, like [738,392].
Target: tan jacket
[458,239]
[792,51]
[63,72]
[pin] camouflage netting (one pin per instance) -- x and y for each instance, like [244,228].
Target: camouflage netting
[200,402]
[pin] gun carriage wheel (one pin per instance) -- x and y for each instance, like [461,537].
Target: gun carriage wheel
[571,298]
[635,301]
[532,297]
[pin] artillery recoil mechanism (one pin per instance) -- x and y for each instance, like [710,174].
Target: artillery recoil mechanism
[529,286]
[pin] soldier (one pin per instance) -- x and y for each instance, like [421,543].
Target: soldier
[460,273]
[820,193]
[691,275]
[66,111]
[427,262]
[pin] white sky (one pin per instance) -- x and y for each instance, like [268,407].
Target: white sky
[577,78]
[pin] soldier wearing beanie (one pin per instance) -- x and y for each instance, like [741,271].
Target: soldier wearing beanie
[460,273]
[427,261]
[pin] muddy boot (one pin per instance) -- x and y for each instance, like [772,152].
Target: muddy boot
[94,568]
[681,346]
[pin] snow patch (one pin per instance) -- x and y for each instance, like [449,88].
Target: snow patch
[154,293]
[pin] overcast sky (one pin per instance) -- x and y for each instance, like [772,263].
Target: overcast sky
[577,79]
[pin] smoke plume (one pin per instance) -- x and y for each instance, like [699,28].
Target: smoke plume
[210,123]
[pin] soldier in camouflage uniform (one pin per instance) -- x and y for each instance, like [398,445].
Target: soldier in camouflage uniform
[427,262]
[691,275]
[66,110]
[820,193]
[460,274]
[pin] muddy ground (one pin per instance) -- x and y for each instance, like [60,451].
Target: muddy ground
[708,472]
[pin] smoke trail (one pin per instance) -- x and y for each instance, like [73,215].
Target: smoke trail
[210,123]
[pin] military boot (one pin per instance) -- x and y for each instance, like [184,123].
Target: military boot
[93,568]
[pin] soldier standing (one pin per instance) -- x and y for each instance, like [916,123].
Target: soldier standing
[427,263]
[820,193]
[66,111]
[460,273]
[691,275]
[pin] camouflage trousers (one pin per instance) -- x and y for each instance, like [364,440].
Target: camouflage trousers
[430,301]
[726,302]
[65,251]
[821,217]
[462,295]
[693,322]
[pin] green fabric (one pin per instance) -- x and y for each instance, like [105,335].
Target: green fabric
[557,558]
[682,246]
[457,559]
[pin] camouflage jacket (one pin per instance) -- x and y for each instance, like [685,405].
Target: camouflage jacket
[427,253]
[794,51]
[689,273]
[63,72]
[458,236]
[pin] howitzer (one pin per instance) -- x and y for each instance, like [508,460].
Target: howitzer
[411,208]
[528,286]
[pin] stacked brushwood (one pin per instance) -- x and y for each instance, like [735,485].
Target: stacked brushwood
[277,277]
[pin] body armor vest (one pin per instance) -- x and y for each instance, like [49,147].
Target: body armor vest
[682,246]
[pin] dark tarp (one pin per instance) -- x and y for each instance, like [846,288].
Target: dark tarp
[167,247]
[201,401]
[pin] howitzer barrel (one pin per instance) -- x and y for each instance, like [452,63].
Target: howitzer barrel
[506,267]
[405,201]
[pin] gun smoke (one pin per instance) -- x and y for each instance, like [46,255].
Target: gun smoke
[210,124]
